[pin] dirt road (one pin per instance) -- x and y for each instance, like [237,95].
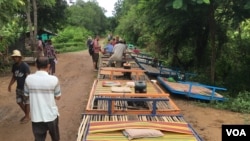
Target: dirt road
[76,76]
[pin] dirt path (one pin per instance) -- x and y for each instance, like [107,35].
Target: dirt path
[76,75]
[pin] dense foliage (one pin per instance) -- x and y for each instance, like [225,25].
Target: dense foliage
[207,37]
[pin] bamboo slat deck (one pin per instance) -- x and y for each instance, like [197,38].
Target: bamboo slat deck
[114,73]
[133,64]
[163,104]
[192,90]
[110,127]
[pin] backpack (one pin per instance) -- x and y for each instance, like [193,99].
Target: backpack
[91,48]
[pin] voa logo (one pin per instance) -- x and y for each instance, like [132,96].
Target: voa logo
[236,132]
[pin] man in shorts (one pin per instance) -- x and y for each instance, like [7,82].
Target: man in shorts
[43,90]
[20,71]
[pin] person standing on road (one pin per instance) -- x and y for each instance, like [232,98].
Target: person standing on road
[40,46]
[20,71]
[42,90]
[95,56]
[90,46]
[50,52]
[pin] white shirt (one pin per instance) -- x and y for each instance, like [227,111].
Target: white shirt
[42,89]
[118,50]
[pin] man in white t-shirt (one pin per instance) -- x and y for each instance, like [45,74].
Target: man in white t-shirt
[43,89]
[118,53]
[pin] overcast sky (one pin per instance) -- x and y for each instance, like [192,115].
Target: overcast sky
[106,4]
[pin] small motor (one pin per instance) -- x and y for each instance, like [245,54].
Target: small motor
[127,74]
[140,87]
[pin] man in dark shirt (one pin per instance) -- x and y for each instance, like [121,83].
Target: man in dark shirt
[20,71]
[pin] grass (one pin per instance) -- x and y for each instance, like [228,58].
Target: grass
[71,49]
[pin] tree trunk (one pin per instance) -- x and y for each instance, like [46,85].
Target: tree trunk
[35,18]
[212,40]
[28,11]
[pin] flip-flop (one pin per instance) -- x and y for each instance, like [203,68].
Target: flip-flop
[22,118]
[25,120]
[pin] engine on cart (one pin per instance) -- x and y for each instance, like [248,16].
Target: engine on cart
[140,87]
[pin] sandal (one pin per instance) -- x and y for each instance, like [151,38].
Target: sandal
[22,118]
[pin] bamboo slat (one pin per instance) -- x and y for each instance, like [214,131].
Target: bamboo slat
[122,107]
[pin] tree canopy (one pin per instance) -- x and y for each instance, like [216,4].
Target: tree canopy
[204,36]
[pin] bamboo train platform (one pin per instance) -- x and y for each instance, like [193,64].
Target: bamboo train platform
[112,127]
[192,90]
[128,59]
[113,73]
[119,72]
[115,107]
[155,69]
[104,100]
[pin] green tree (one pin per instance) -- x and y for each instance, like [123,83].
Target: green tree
[88,15]
[52,17]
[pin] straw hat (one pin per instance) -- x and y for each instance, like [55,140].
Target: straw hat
[16,53]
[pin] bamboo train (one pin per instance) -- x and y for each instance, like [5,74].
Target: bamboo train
[109,113]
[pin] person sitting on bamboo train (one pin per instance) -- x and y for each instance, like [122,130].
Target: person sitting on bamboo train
[108,50]
[136,51]
[119,52]
[113,42]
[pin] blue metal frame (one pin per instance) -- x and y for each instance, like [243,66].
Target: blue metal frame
[110,99]
[163,71]
[194,95]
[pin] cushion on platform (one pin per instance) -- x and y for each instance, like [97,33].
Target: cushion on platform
[121,89]
[142,133]
[110,83]
[130,84]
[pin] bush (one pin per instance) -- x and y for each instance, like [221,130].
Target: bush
[241,103]
[69,47]
[71,39]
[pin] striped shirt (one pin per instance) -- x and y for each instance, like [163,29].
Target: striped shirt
[42,89]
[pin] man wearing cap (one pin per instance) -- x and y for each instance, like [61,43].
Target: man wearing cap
[20,71]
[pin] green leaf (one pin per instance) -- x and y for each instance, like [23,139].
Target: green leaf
[177,4]
[206,1]
[247,5]
[199,1]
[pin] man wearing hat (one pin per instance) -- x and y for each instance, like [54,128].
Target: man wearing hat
[20,71]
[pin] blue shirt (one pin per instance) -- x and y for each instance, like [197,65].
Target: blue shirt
[109,48]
